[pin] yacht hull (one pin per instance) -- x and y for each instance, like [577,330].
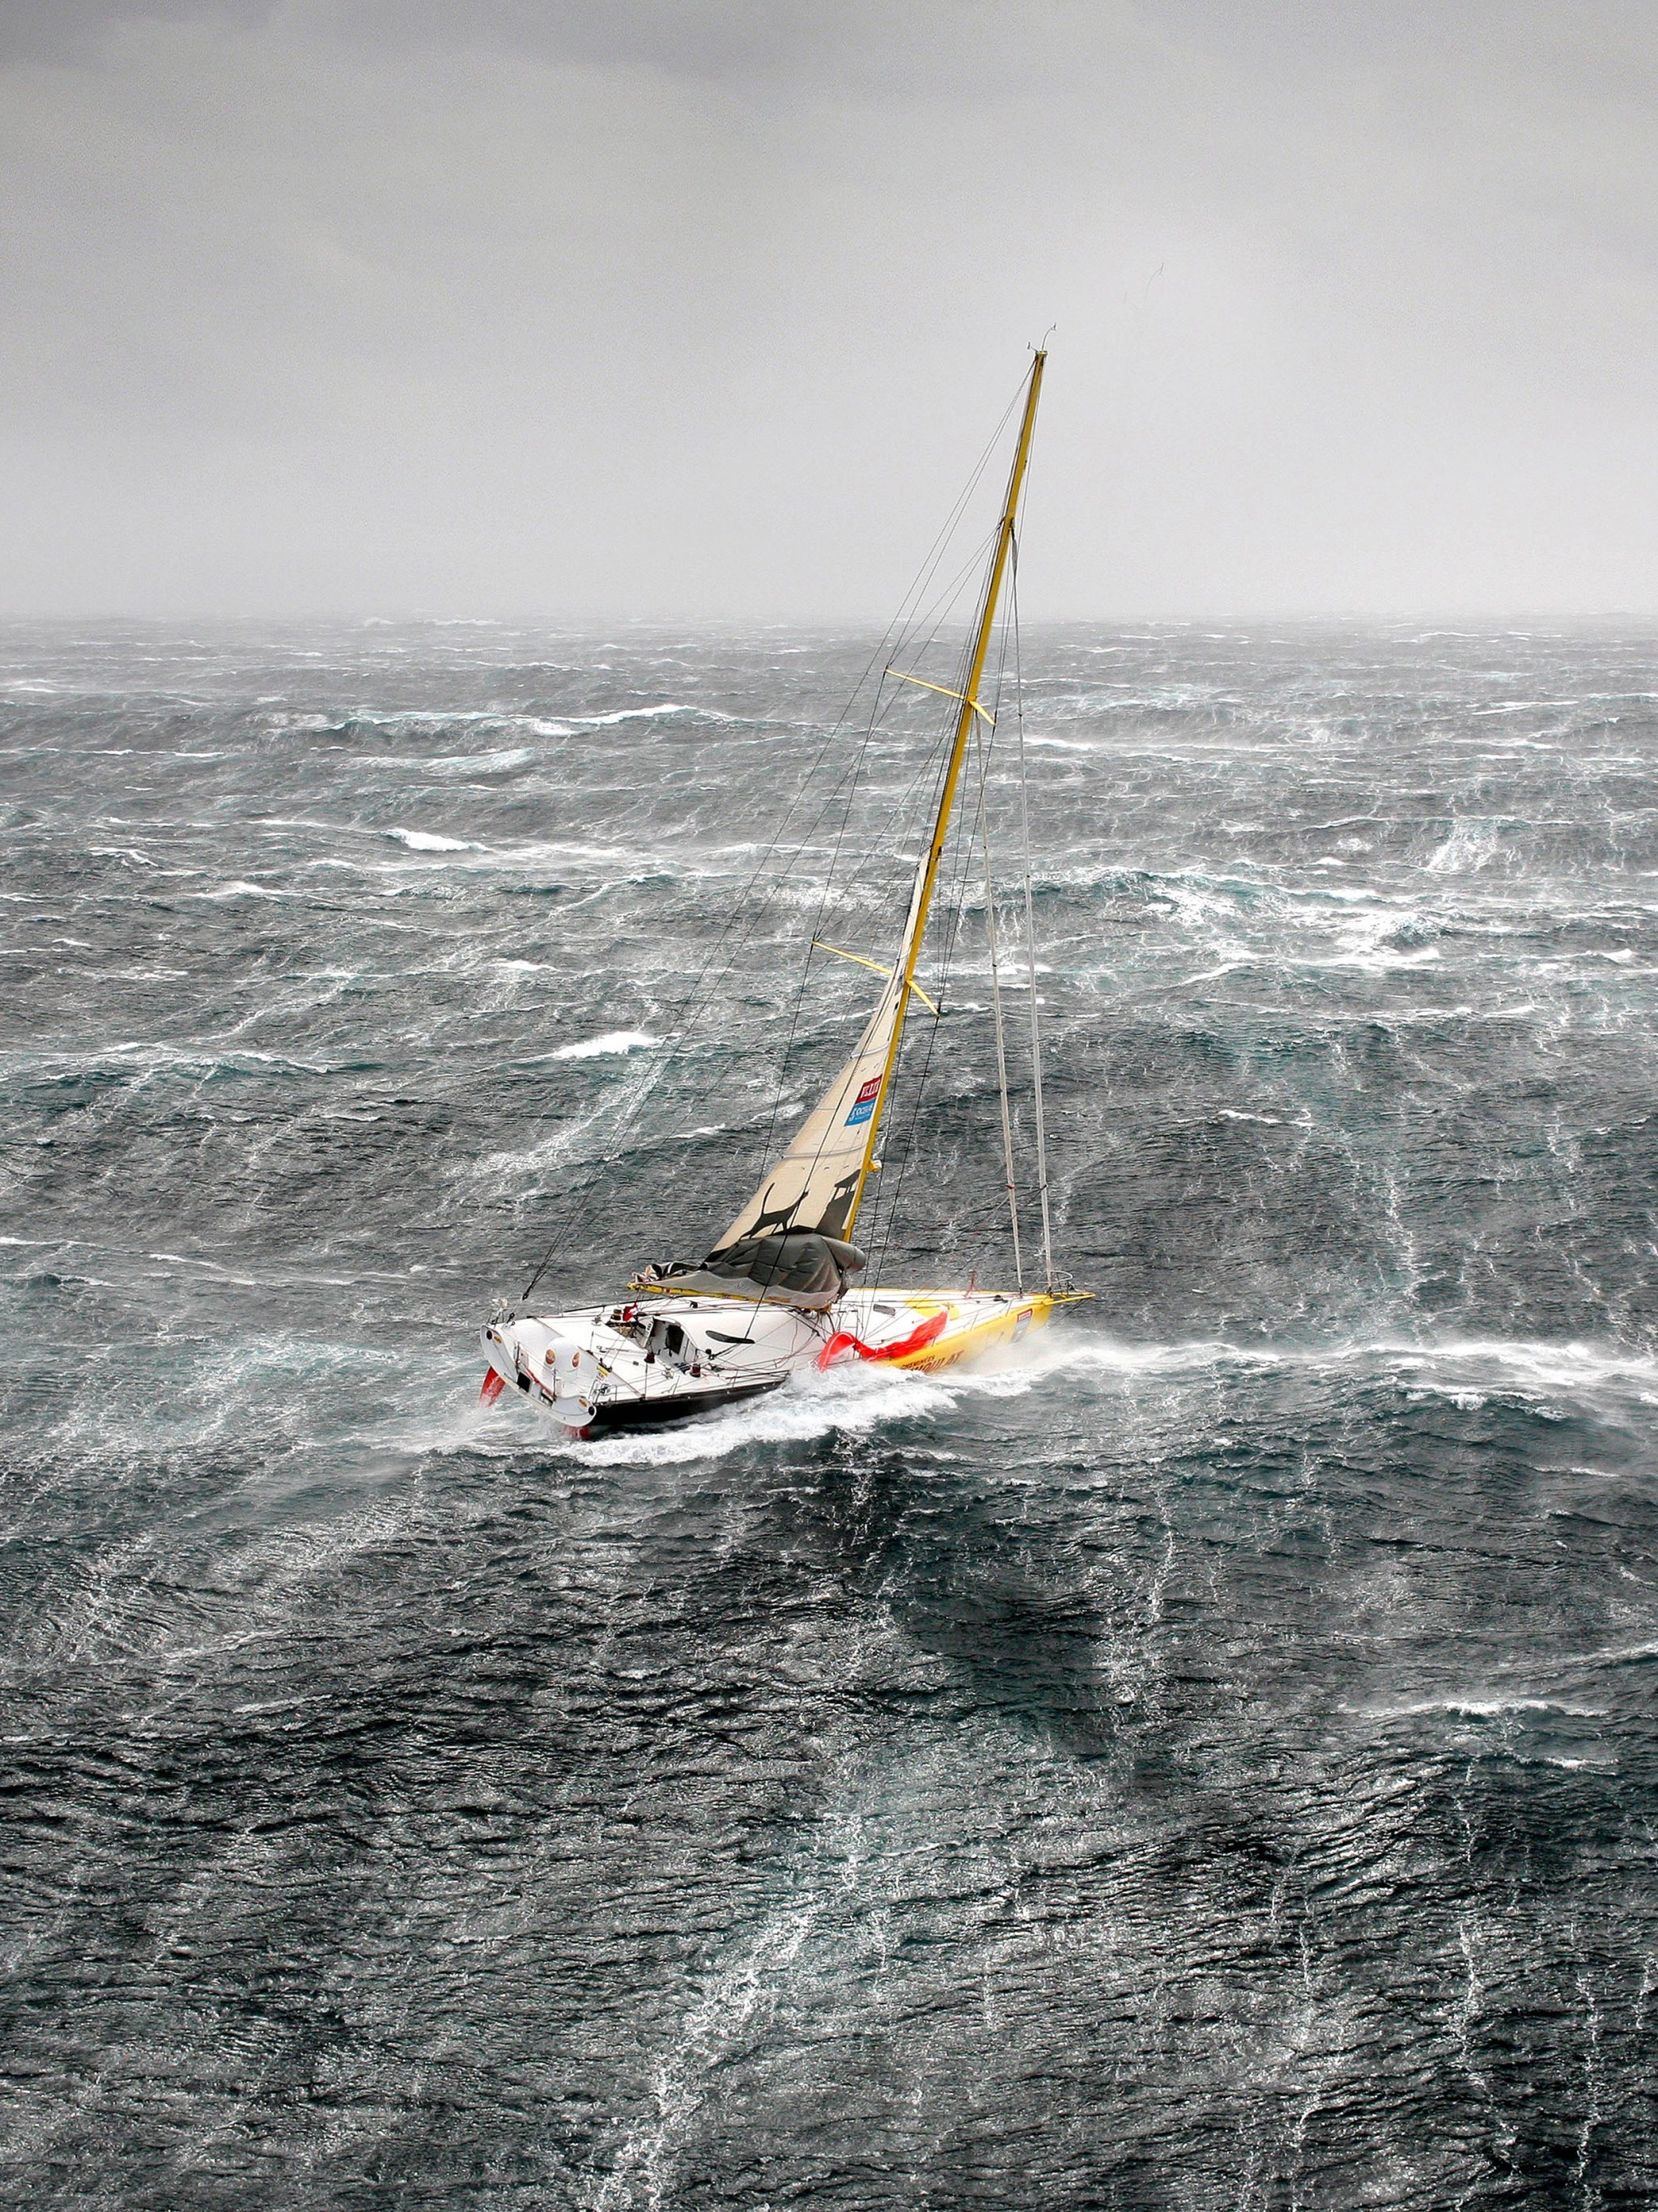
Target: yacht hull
[660,1358]
[631,1414]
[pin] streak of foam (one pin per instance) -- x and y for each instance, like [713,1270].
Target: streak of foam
[239,889]
[494,764]
[754,1982]
[1447,1364]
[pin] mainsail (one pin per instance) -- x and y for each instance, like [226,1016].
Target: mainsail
[787,1242]
[817,1183]
[786,1245]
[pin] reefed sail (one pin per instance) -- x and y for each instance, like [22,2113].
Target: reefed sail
[788,1242]
[816,1183]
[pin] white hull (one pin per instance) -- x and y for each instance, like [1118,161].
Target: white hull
[653,1359]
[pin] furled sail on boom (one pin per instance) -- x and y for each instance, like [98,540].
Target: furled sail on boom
[788,1244]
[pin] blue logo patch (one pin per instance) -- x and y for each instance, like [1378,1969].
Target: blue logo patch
[864,1105]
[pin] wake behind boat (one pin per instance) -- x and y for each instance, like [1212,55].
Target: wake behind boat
[776,1296]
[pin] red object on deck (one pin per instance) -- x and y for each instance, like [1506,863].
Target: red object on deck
[917,1341]
[493,1384]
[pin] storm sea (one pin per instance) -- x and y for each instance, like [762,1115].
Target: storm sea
[1208,1763]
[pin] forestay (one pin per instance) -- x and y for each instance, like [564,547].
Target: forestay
[809,1199]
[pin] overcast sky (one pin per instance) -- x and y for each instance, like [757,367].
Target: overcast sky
[675,308]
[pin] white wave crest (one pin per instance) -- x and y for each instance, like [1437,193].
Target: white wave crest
[426,840]
[647,714]
[481,763]
[613,1041]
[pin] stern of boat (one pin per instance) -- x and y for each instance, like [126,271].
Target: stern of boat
[647,1360]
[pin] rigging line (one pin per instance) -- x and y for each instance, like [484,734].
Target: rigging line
[973,564]
[744,920]
[633,1107]
[962,858]
[915,608]
[681,1022]
[936,764]
[891,641]
[932,619]
[954,907]
[881,713]
[894,832]
[933,762]
[697,997]
[1030,932]
[884,702]
[818,923]
[897,628]
[903,822]
[901,628]
[936,552]
[1001,1040]
[848,780]
[891,644]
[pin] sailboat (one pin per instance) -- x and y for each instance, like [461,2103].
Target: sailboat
[777,1296]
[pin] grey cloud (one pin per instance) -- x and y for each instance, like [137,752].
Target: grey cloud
[937,45]
[699,308]
[925,50]
[80,30]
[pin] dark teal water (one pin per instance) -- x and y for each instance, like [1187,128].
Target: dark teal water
[1209,1765]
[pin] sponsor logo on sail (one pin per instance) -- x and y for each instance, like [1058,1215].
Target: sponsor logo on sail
[864,1105]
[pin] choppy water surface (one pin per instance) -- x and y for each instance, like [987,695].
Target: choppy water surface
[1211,1765]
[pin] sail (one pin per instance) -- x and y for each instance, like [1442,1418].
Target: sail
[815,1185]
[788,1246]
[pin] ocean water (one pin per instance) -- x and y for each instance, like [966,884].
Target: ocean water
[1210,1764]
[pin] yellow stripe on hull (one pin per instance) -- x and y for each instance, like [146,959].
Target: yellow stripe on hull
[960,1344]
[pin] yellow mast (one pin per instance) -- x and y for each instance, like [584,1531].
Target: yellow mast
[969,707]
